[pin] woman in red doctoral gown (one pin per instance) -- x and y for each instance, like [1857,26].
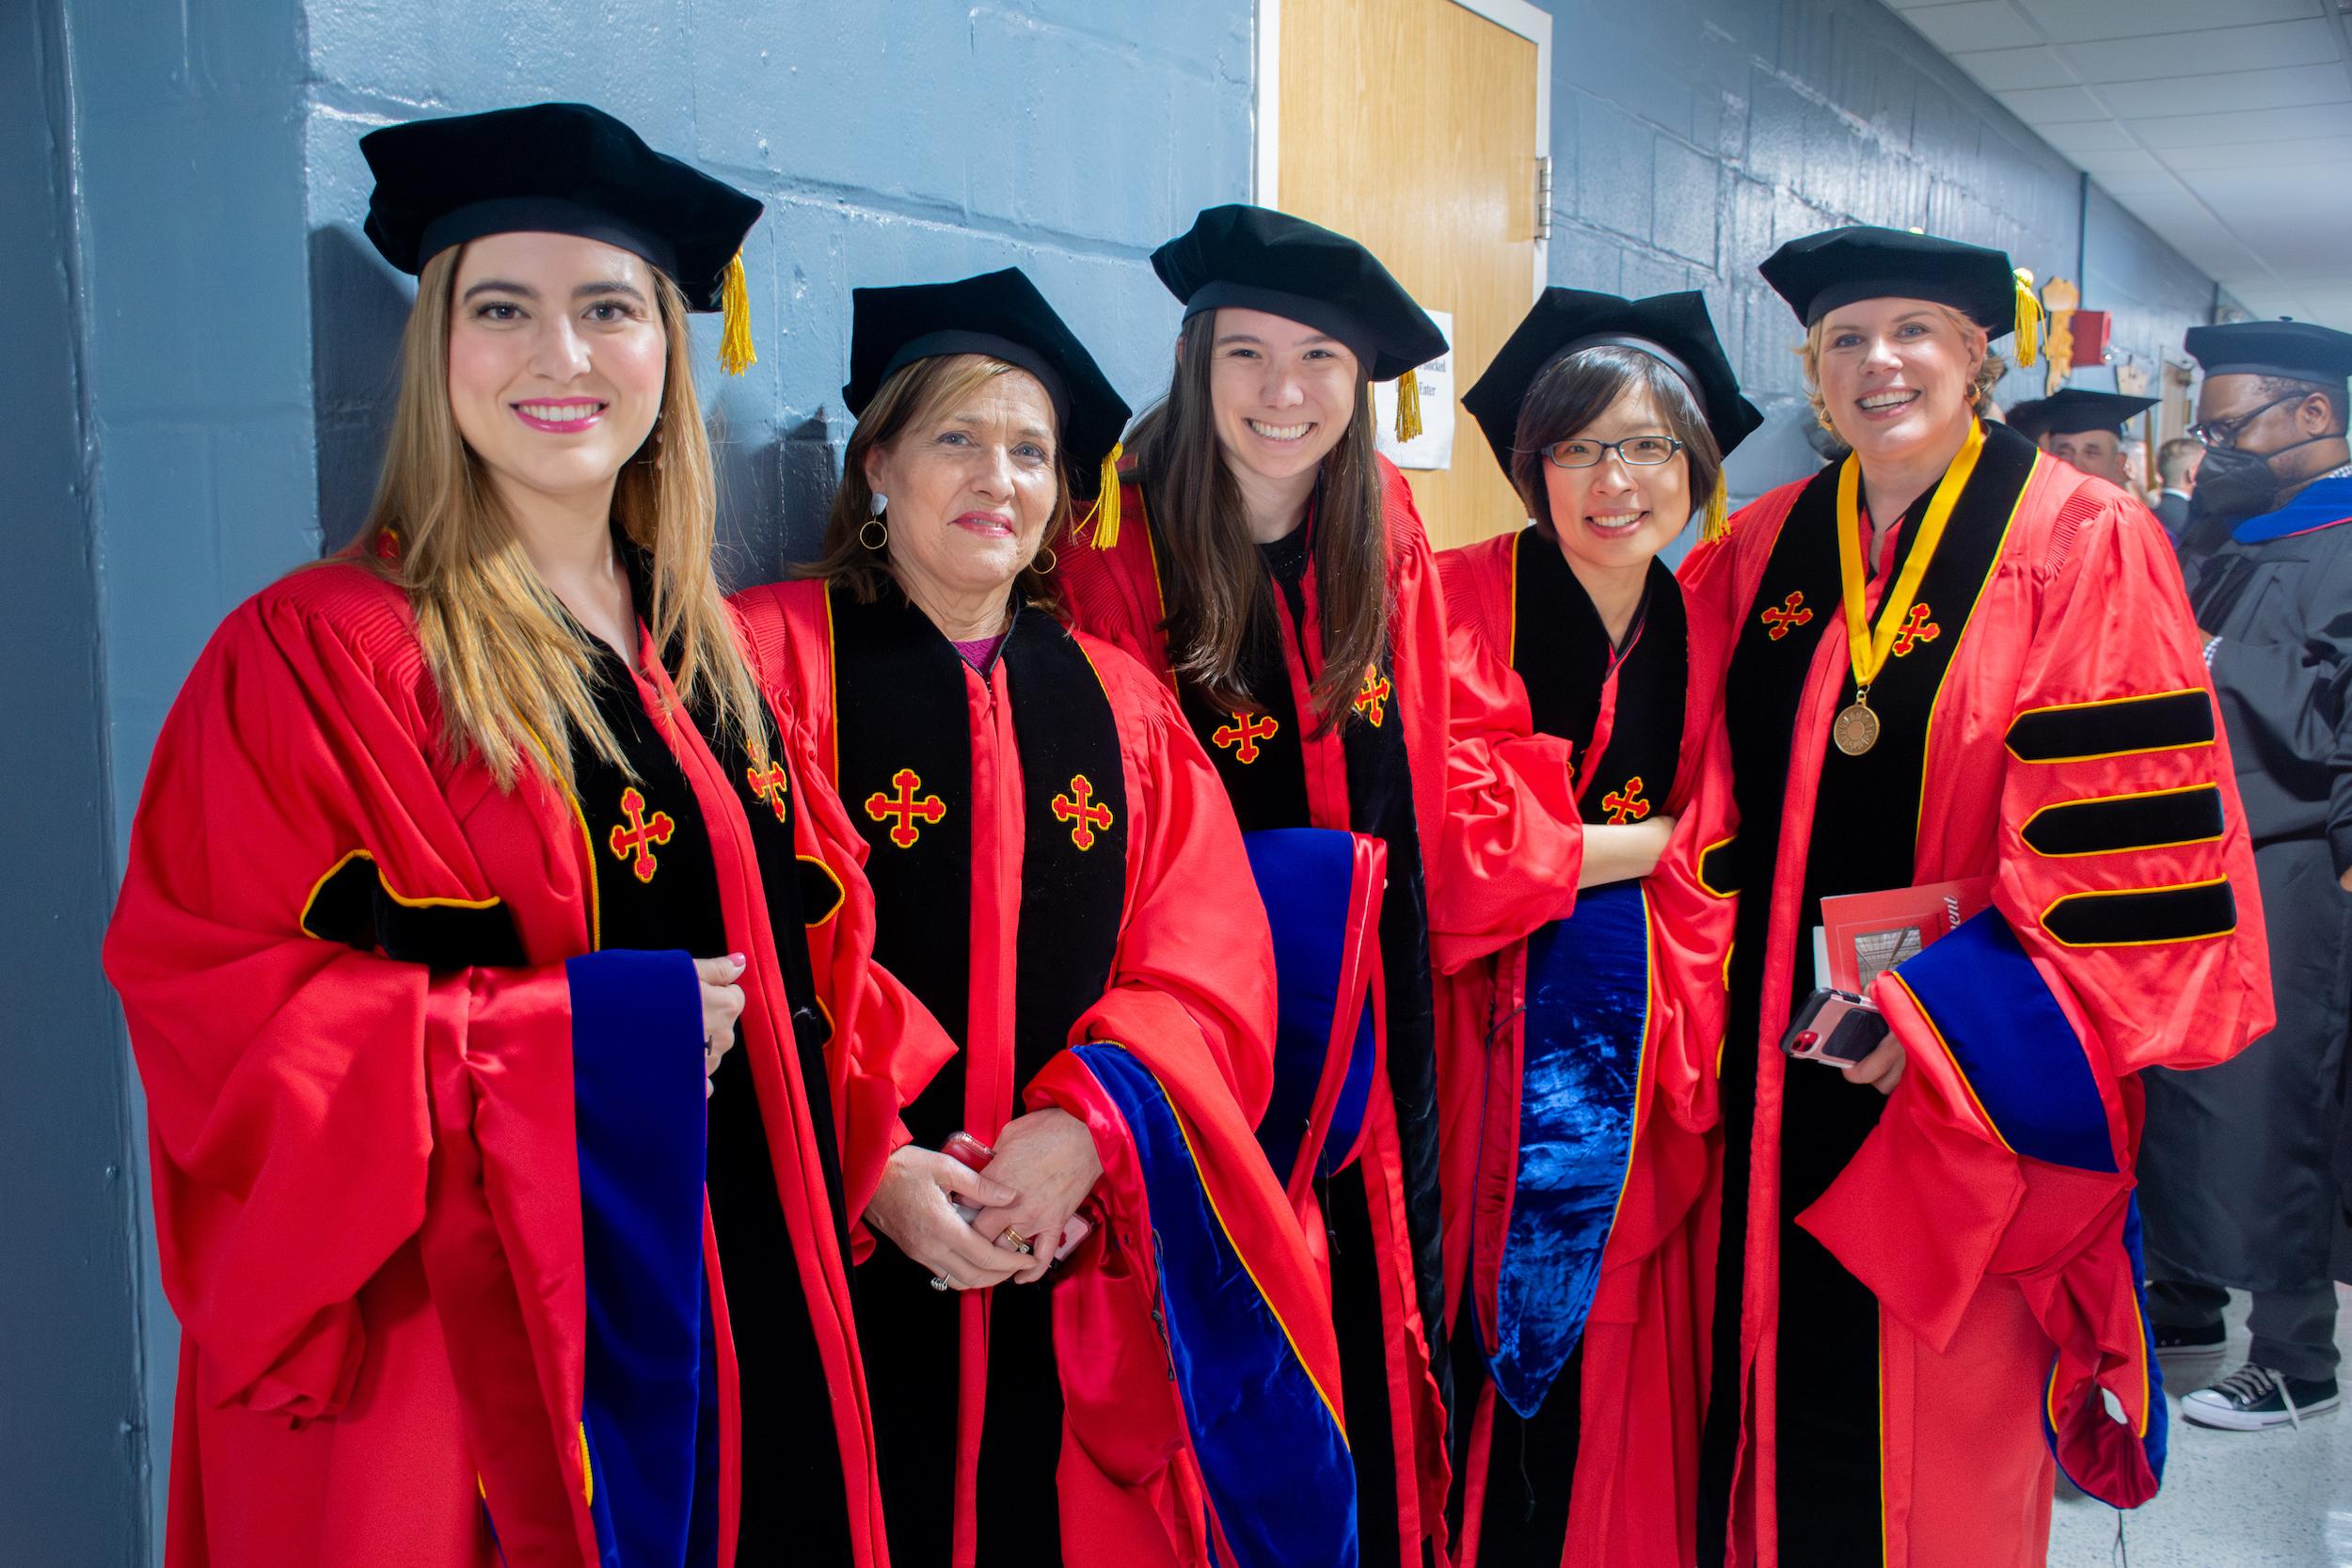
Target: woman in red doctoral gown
[463,1275]
[1929,1278]
[1058,878]
[1581,1019]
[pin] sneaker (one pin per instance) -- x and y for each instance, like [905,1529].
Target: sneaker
[2254,1398]
[2190,1343]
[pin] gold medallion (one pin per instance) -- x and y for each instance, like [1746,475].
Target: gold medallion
[1856,730]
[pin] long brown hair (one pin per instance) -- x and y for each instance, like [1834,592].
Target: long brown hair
[918,393]
[1211,578]
[511,673]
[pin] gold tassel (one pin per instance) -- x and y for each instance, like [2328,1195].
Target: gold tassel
[1408,406]
[736,353]
[1716,524]
[2029,319]
[1105,514]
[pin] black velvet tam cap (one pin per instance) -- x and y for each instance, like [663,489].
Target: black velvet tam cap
[1002,315]
[2298,351]
[2070,411]
[555,168]
[1821,271]
[1673,328]
[1256,258]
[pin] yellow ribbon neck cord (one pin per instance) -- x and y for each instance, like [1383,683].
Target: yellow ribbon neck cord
[1867,649]
[1105,514]
[1408,406]
[736,353]
[1716,524]
[2029,319]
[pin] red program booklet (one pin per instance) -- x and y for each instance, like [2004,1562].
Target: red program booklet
[1863,933]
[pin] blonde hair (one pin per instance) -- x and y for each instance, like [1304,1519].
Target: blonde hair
[918,393]
[511,670]
[1989,370]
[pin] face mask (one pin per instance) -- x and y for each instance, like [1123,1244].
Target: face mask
[2232,486]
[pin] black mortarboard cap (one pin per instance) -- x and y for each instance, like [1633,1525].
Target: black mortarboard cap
[1821,271]
[561,168]
[1256,258]
[2027,418]
[1002,315]
[2070,411]
[2298,351]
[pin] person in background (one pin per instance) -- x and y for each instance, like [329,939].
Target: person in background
[465,858]
[2237,1178]
[2028,419]
[1057,876]
[2085,429]
[2176,472]
[1580,1032]
[1957,661]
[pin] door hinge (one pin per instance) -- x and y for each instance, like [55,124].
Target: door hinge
[1543,200]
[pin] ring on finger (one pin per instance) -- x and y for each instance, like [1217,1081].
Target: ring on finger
[1020,1243]
[939,1282]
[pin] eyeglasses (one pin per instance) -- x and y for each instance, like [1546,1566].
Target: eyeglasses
[2224,433]
[1644,451]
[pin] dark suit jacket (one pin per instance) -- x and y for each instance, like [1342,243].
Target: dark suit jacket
[2172,512]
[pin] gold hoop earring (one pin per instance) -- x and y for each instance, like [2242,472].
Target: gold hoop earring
[873,533]
[1050,562]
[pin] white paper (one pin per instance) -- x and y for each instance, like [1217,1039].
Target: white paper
[1434,447]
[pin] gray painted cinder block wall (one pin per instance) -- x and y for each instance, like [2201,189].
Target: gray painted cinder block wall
[1691,138]
[207,345]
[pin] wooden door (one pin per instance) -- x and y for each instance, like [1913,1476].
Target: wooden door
[1411,124]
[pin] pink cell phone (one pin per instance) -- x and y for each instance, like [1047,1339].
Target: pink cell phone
[967,1151]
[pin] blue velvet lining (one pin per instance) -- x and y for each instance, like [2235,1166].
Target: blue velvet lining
[1587,1014]
[1272,1455]
[2012,1043]
[1305,877]
[637,1085]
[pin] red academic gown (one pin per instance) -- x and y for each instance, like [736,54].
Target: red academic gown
[1424,765]
[411,1207]
[1637,725]
[1046,841]
[1935,1296]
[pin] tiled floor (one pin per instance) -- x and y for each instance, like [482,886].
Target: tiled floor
[2230,1499]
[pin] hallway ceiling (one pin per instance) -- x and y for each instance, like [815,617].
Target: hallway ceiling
[2224,125]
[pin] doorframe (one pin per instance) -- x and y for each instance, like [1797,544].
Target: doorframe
[1515,16]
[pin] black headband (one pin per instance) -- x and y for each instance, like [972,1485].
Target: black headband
[1659,352]
[543,215]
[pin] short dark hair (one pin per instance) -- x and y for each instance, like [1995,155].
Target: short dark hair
[2287,387]
[2172,458]
[1577,389]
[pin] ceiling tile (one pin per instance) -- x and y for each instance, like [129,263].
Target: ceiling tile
[2095,135]
[2073,21]
[1973,24]
[2209,49]
[2310,152]
[2284,88]
[2245,126]
[2010,69]
[2040,106]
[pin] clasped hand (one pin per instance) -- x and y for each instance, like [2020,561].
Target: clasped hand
[1045,1168]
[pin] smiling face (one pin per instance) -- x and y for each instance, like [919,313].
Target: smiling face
[557,357]
[1284,393]
[972,485]
[1895,375]
[2096,452]
[1615,516]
